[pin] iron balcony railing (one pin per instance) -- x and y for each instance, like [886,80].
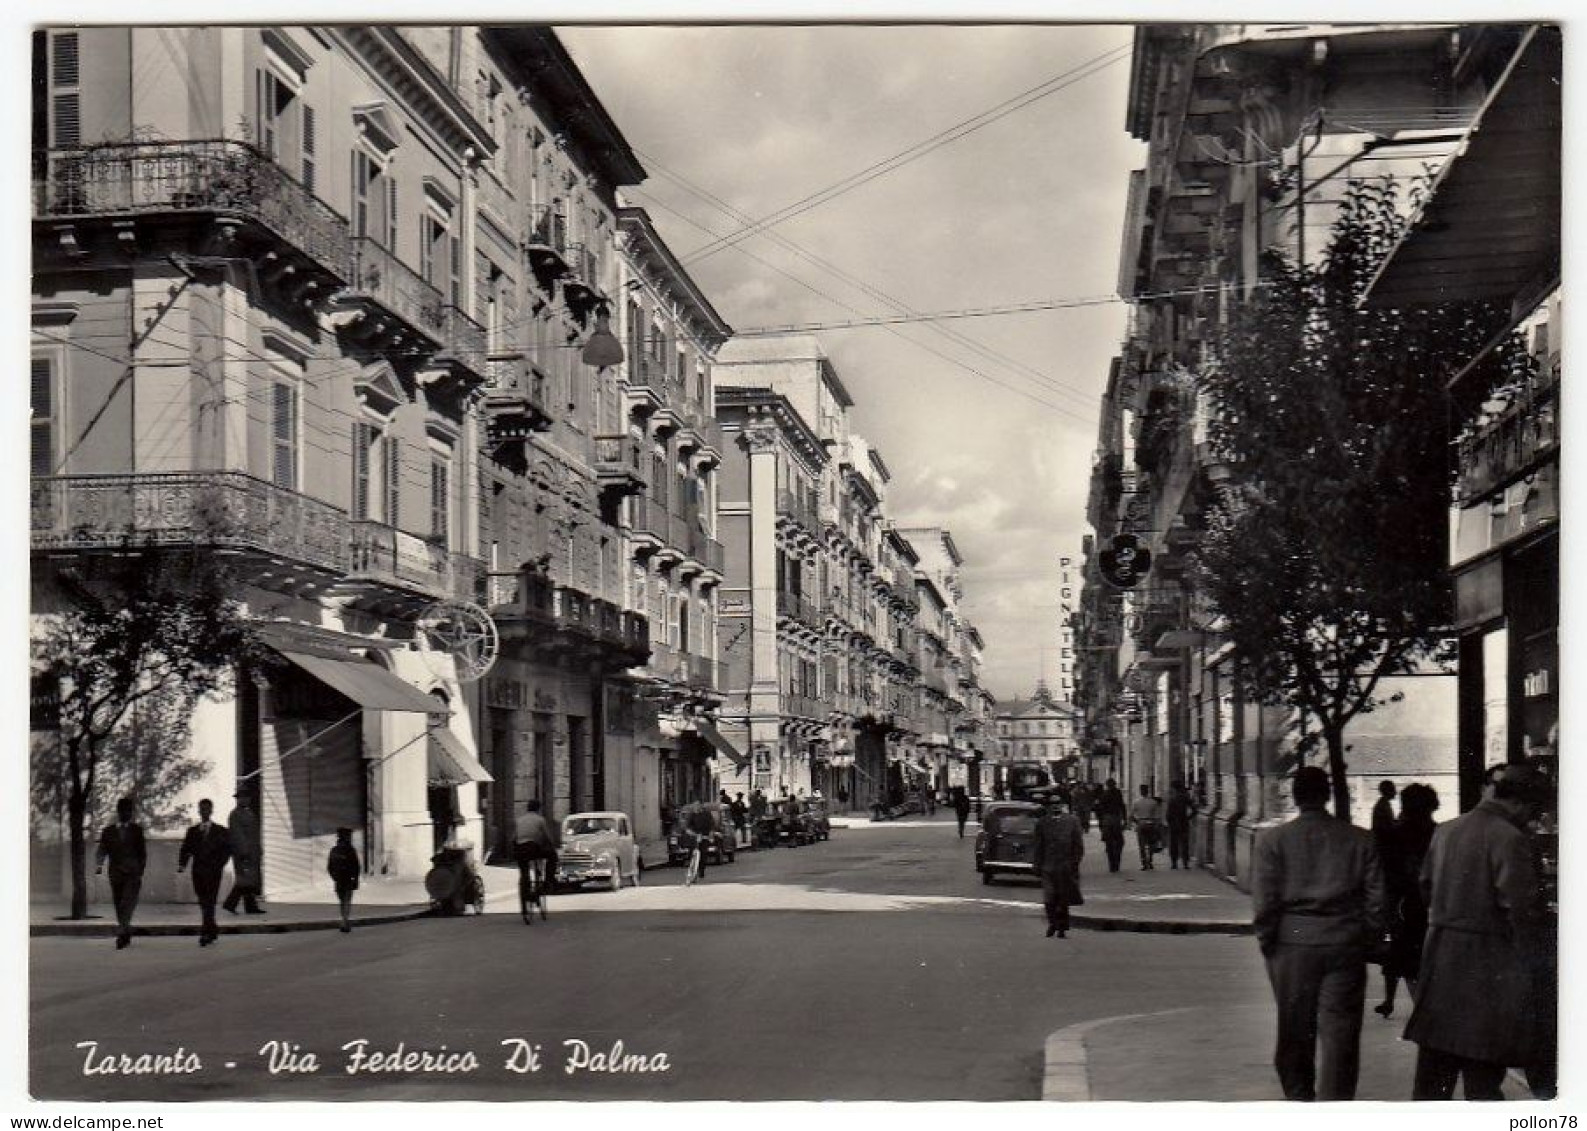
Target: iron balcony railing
[379,276]
[575,610]
[394,557]
[227,178]
[464,341]
[223,509]
[804,706]
[548,228]
[1522,434]
[651,518]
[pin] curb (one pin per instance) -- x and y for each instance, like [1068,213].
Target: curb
[1066,1076]
[1161,926]
[160,930]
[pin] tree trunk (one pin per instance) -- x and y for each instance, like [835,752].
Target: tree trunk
[1336,770]
[76,815]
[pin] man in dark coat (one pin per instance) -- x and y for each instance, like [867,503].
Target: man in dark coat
[243,826]
[1110,822]
[1474,1000]
[1176,815]
[207,846]
[1057,852]
[121,845]
[1383,818]
[1318,903]
[961,807]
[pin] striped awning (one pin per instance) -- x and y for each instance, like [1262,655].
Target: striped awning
[452,763]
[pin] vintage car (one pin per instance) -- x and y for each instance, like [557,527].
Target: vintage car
[792,825]
[721,848]
[1006,839]
[598,848]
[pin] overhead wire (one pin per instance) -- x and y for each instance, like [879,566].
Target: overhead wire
[914,152]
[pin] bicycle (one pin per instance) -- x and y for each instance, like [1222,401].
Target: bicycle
[532,889]
[696,858]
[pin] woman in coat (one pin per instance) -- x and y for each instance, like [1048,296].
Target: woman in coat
[1057,851]
[1406,846]
[344,869]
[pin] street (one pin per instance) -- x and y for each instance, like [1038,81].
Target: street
[887,1000]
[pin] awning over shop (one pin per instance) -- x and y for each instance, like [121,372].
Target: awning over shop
[366,683]
[452,763]
[709,732]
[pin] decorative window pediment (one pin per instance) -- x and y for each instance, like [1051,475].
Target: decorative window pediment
[378,128]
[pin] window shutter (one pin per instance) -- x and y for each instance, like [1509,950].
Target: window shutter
[43,403]
[284,435]
[393,475]
[308,148]
[363,440]
[391,215]
[439,509]
[66,116]
[65,58]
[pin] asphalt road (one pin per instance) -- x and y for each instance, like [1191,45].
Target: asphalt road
[882,1000]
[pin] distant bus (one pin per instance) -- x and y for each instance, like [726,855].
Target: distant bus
[1024,778]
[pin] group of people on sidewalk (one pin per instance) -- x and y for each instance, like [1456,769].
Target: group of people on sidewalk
[1454,910]
[207,847]
[1149,815]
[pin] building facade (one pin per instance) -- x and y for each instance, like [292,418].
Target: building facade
[1253,134]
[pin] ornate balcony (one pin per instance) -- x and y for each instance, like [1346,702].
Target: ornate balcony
[646,383]
[1520,435]
[221,197]
[619,464]
[650,529]
[581,289]
[546,245]
[395,307]
[394,571]
[517,405]
[465,350]
[285,540]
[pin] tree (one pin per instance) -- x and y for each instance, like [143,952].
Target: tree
[140,637]
[1326,552]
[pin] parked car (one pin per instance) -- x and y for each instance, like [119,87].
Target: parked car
[792,827]
[818,823]
[598,848]
[1006,839]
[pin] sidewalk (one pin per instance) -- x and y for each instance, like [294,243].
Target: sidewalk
[1170,1056]
[379,900]
[1164,900]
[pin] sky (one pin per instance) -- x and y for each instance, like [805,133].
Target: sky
[988,432]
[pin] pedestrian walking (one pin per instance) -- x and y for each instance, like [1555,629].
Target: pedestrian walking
[121,846]
[700,825]
[1146,813]
[740,814]
[246,878]
[1317,897]
[207,846]
[1057,851]
[1477,995]
[961,808]
[1110,822]
[1178,811]
[1082,805]
[1407,844]
[344,868]
[1383,820]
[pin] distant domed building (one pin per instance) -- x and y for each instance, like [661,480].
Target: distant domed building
[1039,729]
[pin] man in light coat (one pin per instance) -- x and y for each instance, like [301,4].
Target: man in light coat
[1318,902]
[1474,1003]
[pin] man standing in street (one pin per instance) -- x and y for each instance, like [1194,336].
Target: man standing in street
[1177,814]
[1110,823]
[961,808]
[1318,900]
[1082,805]
[1383,818]
[207,846]
[1057,852]
[1147,813]
[246,881]
[1477,994]
[121,846]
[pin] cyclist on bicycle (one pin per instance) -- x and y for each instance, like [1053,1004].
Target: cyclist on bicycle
[699,825]
[533,840]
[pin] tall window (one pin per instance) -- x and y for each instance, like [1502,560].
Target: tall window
[374,201]
[441,257]
[286,127]
[284,433]
[66,115]
[440,505]
[44,415]
[363,461]
[391,469]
